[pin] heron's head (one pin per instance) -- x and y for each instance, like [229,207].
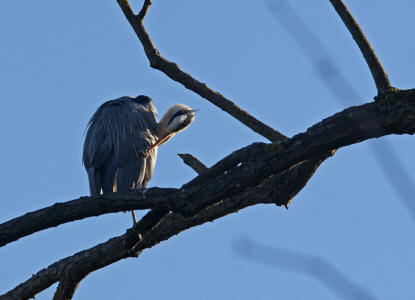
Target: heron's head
[176,119]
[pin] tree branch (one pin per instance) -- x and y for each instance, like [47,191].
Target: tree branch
[70,280]
[283,169]
[68,284]
[379,75]
[277,189]
[84,207]
[73,274]
[393,113]
[173,71]
[194,163]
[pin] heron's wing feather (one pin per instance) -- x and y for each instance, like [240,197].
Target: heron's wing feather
[137,132]
[131,175]
[108,172]
[94,184]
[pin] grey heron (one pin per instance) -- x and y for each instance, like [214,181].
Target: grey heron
[120,147]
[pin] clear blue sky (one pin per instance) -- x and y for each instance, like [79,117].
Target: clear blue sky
[60,60]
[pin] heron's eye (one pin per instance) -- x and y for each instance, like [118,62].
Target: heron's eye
[179,113]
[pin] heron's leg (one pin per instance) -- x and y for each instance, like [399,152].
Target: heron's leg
[134,219]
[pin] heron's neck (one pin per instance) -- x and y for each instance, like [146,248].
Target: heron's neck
[162,125]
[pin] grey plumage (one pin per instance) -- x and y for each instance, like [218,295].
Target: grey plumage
[115,149]
[120,148]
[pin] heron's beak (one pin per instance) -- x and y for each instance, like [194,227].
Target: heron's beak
[161,141]
[192,111]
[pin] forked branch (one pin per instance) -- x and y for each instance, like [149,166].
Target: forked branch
[378,73]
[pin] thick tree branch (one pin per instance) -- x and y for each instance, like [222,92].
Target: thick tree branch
[84,207]
[393,113]
[379,75]
[276,189]
[173,71]
[193,162]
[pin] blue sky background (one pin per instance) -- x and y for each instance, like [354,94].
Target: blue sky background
[60,60]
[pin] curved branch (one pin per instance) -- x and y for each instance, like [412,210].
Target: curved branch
[393,113]
[173,71]
[378,73]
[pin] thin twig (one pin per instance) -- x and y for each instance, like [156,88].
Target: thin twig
[378,73]
[173,71]
[193,162]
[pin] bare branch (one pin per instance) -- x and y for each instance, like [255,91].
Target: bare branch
[277,189]
[379,75]
[393,113]
[73,274]
[284,170]
[84,207]
[193,162]
[68,284]
[173,71]
[329,72]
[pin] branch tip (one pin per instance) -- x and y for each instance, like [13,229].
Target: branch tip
[194,163]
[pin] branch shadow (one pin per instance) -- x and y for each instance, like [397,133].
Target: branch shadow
[304,264]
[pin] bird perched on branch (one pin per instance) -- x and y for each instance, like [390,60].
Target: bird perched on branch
[120,148]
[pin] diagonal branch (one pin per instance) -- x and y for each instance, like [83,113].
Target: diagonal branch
[173,71]
[277,189]
[247,167]
[379,75]
[328,70]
